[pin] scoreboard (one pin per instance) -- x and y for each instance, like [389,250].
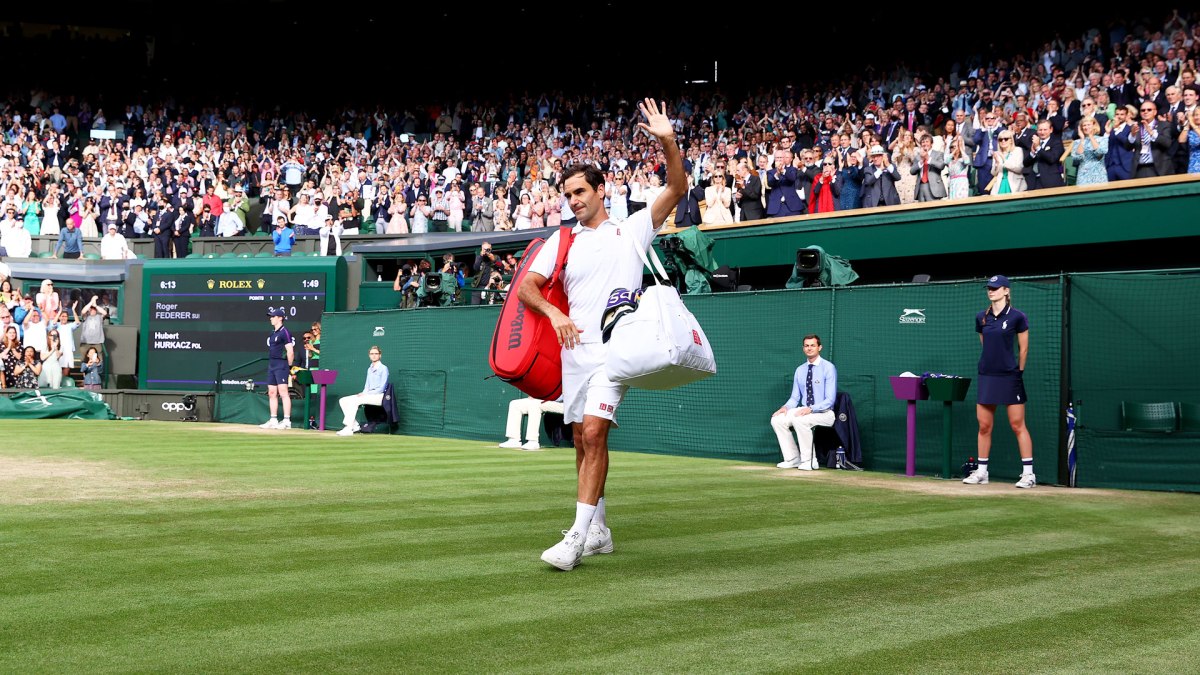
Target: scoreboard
[198,312]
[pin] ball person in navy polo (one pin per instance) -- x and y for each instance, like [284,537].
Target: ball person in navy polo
[281,350]
[1001,377]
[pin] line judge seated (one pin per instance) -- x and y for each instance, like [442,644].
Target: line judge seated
[814,389]
[372,393]
[534,407]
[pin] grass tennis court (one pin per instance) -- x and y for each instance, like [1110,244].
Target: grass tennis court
[170,547]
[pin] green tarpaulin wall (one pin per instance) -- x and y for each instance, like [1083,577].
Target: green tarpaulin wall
[1129,340]
[75,404]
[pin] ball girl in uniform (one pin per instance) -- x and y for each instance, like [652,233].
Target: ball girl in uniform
[1001,377]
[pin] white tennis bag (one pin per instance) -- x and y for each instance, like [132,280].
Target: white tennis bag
[658,344]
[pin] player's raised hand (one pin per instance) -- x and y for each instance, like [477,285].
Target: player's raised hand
[657,123]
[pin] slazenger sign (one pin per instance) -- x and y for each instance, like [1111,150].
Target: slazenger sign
[912,316]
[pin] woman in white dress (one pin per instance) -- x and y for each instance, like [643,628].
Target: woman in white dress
[524,219]
[619,199]
[50,217]
[87,219]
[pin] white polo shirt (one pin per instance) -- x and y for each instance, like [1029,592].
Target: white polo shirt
[601,260]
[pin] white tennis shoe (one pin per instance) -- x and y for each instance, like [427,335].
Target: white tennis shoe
[566,554]
[599,540]
[977,477]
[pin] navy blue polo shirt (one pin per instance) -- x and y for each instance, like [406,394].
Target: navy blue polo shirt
[278,342]
[998,357]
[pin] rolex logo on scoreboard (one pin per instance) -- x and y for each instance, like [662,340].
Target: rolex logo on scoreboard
[261,283]
[211,284]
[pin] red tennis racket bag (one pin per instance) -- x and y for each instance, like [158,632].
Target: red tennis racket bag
[525,350]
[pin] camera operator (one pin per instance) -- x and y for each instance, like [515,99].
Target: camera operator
[436,290]
[407,282]
[497,289]
[453,277]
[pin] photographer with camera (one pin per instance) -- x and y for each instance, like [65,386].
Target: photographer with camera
[486,263]
[407,282]
[496,289]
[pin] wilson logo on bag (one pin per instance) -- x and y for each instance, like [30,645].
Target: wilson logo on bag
[525,350]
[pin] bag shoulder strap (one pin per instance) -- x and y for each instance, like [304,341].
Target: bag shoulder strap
[656,269]
[565,238]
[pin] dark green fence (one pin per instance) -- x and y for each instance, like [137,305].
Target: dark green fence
[1128,340]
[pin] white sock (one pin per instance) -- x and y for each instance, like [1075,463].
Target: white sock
[583,518]
[598,518]
[982,464]
[1027,467]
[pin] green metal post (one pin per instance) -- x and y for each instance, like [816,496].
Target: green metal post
[947,445]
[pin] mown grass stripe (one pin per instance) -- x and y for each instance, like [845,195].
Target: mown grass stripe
[306,554]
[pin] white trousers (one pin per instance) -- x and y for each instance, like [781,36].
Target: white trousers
[350,406]
[534,408]
[802,425]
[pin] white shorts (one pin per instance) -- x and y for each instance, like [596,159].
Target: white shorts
[586,389]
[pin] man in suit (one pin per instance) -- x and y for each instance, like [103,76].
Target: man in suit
[207,224]
[807,172]
[1121,160]
[1176,114]
[55,160]
[1023,136]
[782,199]
[1153,92]
[928,169]
[749,195]
[164,226]
[912,119]
[181,232]
[1056,117]
[1153,143]
[136,222]
[687,212]
[891,130]
[984,144]
[761,168]
[1044,158]
[879,180]
[1122,92]
[1175,104]
[964,126]
[112,207]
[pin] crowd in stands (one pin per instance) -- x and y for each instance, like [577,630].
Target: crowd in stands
[1103,107]
[42,340]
